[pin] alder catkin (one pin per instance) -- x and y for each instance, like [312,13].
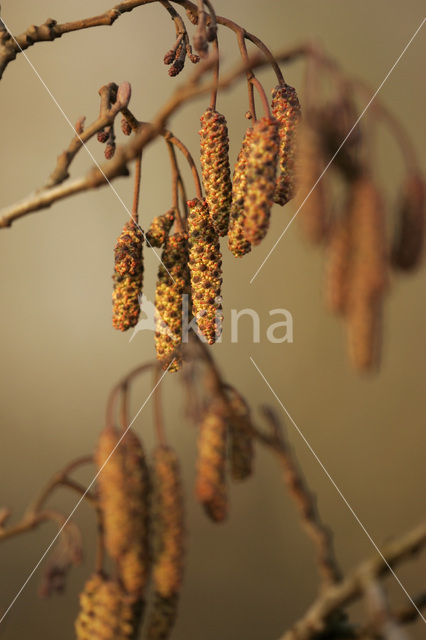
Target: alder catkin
[410,228]
[128,277]
[339,248]
[159,229]
[261,171]
[241,450]
[211,488]
[215,168]
[205,265]
[172,284]
[237,242]
[286,110]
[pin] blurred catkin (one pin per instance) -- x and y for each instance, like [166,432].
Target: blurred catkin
[172,284]
[339,248]
[241,450]
[205,265]
[215,168]
[168,542]
[286,110]
[106,612]
[159,229]
[128,277]
[211,462]
[410,229]
[237,242]
[261,172]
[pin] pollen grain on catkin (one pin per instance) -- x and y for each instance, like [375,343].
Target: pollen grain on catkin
[128,277]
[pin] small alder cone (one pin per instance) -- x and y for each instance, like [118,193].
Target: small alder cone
[123,487]
[211,463]
[261,171]
[159,229]
[408,243]
[237,242]
[286,110]
[106,612]
[172,284]
[241,450]
[368,278]
[205,265]
[215,168]
[339,250]
[313,215]
[128,277]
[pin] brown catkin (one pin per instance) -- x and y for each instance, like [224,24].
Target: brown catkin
[410,229]
[286,110]
[241,450]
[237,243]
[124,489]
[106,612]
[162,617]
[261,171]
[159,229]
[215,168]
[172,284]
[368,276]
[211,463]
[205,265]
[128,277]
[339,248]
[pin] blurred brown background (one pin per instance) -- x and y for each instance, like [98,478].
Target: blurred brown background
[59,355]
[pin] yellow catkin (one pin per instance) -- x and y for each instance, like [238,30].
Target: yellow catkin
[211,463]
[205,265]
[168,543]
[261,172]
[237,242]
[286,110]
[159,229]
[215,168]
[368,276]
[313,215]
[128,277]
[106,612]
[410,228]
[241,450]
[172,284]
[339,250]
[123,487]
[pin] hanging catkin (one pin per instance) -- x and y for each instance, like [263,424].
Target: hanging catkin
[410,229]
[128,277]
[205,265]
[241,451]
[168,543]
[261,171]
[159,229]
[215,169]
[237,242]
[286,110]
[339,248]
[211,462]
[106,612]
[172,284]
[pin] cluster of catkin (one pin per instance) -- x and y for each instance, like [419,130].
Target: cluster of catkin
[143,523]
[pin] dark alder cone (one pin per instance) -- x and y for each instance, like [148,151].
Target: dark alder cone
[159,229]
[286,110]
[172,284]
[409,238]
[339,248]
[261,171]
[237,242]
[211,462]
[106,612]
[128,277]
[205,265]
[241,451]
[215,168]
[124,488]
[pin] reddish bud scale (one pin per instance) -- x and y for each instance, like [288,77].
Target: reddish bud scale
[409,238]
[215,168]
[286,110]
[236,240]
[205,265]
[128,277]
[173,283]
[159,229]
[261,171]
